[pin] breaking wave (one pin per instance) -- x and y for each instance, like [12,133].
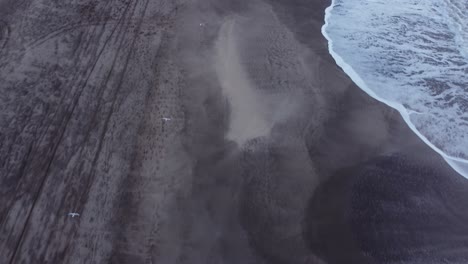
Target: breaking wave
[411,55]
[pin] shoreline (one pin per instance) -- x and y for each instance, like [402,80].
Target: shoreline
[381,185]
[458,164]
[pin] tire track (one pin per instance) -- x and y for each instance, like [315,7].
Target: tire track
[4,35]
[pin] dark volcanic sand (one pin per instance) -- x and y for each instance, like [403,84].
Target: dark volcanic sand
[272,154]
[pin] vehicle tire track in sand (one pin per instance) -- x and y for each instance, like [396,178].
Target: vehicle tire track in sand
[4,34]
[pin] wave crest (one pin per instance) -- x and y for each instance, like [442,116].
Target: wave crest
[407,54]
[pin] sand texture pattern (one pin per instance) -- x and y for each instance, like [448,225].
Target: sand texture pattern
[270,154]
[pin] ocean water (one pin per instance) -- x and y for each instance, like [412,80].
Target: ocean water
[413,56]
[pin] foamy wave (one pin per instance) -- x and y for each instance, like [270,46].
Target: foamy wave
[407,54]
[456,12]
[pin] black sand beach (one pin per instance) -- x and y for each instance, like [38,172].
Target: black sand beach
[270,154]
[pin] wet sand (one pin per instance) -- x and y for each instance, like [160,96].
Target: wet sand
[271,153]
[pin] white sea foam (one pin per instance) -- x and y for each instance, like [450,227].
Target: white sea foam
[409,54]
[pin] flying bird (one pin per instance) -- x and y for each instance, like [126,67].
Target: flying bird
[73,214]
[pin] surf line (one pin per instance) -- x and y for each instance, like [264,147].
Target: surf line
[458,164]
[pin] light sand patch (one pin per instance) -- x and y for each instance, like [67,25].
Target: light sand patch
[247,120]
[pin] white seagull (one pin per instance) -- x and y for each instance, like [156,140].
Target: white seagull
[166,119]
[73,214]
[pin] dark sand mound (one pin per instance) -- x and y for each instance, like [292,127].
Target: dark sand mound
[392,209]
